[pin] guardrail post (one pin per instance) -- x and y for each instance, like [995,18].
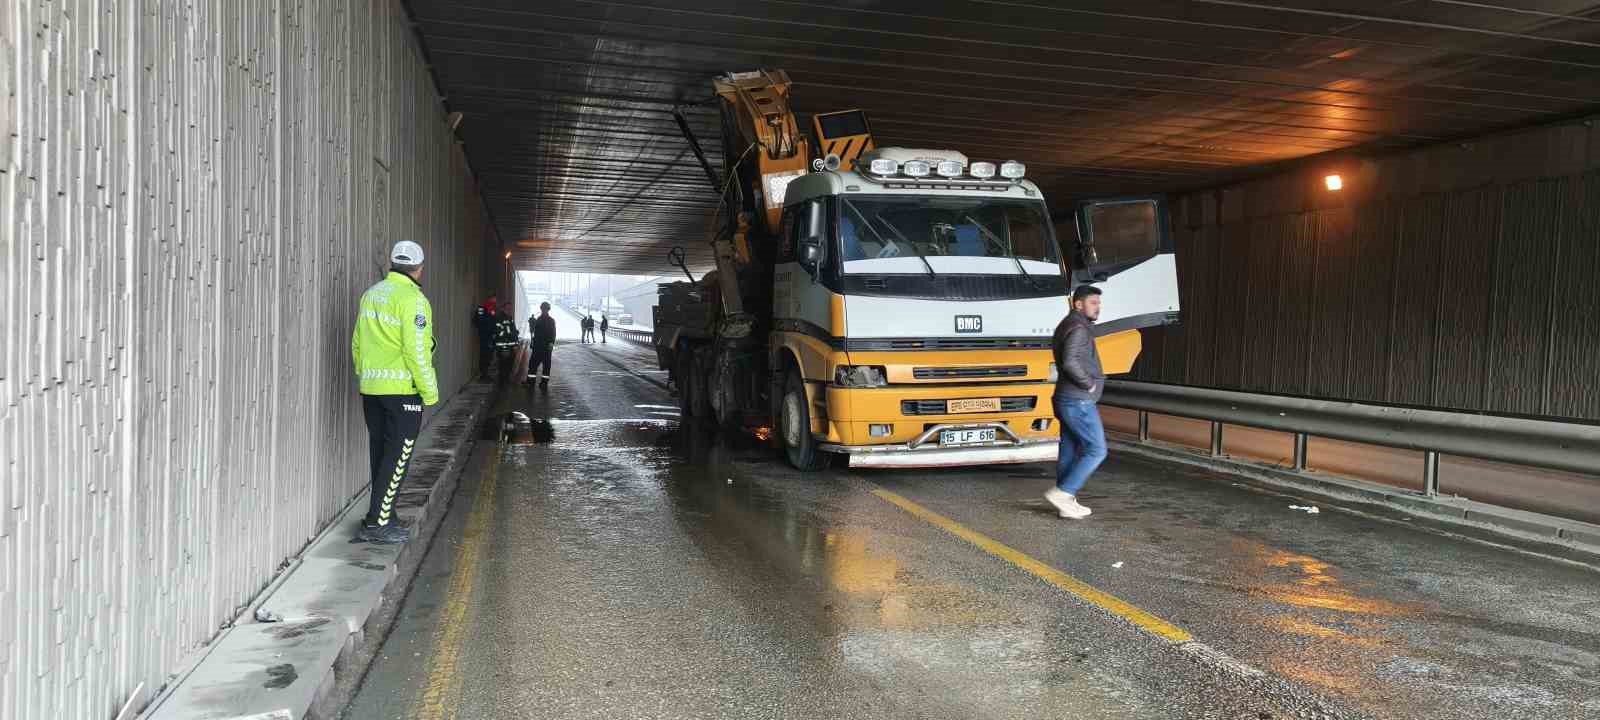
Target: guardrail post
[1144,426]
[1300,451]
[1216,439]
[1430,473]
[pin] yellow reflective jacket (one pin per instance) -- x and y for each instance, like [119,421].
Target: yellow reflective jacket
[392,346]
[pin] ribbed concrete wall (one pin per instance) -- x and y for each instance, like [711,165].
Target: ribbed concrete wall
[194,195]
[1458,277]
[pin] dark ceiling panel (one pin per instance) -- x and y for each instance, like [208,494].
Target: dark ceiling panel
[568,103]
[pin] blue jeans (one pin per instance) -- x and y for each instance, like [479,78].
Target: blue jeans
[1083,443]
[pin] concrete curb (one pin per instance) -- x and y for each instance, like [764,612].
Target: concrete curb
[1559,538]
[331,597]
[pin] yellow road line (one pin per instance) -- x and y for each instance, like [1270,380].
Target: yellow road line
[438,695]
[1084,591]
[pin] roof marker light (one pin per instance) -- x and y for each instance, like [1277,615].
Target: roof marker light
[884,166]
[949,169]
[982,169]
[916,168]
[1012,170]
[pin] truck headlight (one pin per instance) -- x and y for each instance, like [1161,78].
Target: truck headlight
[1055,374]
[859,376]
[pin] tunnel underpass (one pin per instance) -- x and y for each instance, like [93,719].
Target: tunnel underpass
[1354,452]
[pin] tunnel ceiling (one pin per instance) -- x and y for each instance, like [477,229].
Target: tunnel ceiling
[567,104]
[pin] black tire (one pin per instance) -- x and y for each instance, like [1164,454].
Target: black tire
[694,404]
[794,427]
[682,371]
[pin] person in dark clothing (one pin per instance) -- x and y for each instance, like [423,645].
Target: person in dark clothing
[483,321]
[505,342]
[603,325]
[543,328]
[1079,384]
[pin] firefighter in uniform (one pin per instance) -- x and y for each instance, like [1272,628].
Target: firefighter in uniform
[506,340]
[393,352]
[544,342]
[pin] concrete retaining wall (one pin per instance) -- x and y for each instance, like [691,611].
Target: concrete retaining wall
[194,195]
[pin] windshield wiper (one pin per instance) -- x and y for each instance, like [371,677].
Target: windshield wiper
[886,242]
[1002,246]
[913,245]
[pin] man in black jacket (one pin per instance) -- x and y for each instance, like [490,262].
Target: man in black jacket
[483,321]
[1078,387]
[544,342]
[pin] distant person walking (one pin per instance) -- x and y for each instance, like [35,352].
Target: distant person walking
[483,321]
[544,343]
[1078,388]
[505,342]
[603,325]
[392,350]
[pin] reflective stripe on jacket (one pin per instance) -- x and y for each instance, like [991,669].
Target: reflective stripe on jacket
[392,346]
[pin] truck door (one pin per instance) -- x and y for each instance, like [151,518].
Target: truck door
[1124,247]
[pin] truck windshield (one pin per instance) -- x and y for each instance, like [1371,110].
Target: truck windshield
[888,234]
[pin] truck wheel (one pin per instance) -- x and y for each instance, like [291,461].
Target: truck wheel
[693,403]
[799,446]
[682,370]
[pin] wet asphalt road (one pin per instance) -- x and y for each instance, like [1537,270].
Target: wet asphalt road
[621,567]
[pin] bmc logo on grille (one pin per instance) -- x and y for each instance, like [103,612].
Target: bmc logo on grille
[969,323]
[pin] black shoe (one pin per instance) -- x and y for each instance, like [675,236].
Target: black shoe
[391,534]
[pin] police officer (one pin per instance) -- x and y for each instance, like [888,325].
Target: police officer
[392,348]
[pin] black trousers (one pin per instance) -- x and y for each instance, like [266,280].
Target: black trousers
[393,422]
[506,360]
[485,354]
[541,359]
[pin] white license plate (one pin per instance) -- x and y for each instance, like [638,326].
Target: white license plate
[966,437]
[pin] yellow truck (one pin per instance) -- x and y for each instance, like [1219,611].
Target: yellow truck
[893,306]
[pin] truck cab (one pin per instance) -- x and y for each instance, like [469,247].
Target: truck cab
[914,300]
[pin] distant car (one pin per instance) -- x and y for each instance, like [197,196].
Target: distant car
[624,319]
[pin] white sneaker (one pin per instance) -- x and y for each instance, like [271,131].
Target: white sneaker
[1057,498]
[1071,509]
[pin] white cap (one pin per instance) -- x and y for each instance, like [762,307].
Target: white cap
[406,253]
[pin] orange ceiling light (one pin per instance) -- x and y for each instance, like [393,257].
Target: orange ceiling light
[1334,182]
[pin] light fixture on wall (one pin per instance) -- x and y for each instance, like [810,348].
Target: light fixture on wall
[1334,182]
[508,254]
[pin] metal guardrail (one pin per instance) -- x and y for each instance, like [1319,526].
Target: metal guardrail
[636,335]
[1536,443]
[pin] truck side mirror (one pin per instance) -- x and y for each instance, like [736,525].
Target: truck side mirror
[810,255]
[813,230]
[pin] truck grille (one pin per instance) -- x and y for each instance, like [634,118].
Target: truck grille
[934,343]
[938,407]
[968,373]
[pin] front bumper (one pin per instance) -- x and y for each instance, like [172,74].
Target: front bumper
[924,451]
